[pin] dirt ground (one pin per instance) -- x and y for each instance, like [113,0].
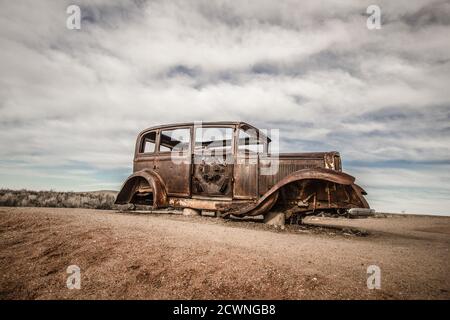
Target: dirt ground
[162,256]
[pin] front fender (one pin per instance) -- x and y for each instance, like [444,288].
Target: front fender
[154,182]
[306,174]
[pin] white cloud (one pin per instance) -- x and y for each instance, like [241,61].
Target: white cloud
[312,69]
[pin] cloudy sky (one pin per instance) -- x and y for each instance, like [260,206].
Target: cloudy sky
[73,101]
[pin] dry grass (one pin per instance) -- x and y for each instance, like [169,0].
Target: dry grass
[27,198]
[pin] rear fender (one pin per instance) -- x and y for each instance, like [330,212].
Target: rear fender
[147,178]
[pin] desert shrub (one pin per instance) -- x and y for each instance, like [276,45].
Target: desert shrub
[28,198]
[8,199]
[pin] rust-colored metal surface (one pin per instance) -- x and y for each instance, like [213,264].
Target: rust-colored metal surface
[145,187]
[212,176]
[227,167]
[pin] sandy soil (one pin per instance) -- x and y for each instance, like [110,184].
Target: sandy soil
[154,256]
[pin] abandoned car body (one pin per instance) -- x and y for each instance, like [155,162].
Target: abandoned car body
[228,168]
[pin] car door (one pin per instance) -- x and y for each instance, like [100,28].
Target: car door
[213,161]
[173,161]
[248,148]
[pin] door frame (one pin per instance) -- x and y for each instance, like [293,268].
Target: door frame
[162,156]
[231,163]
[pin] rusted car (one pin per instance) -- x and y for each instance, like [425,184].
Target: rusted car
[230,168]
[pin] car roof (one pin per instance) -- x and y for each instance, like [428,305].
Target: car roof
[205,123]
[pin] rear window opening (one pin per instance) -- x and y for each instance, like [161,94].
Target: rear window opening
[148,144]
